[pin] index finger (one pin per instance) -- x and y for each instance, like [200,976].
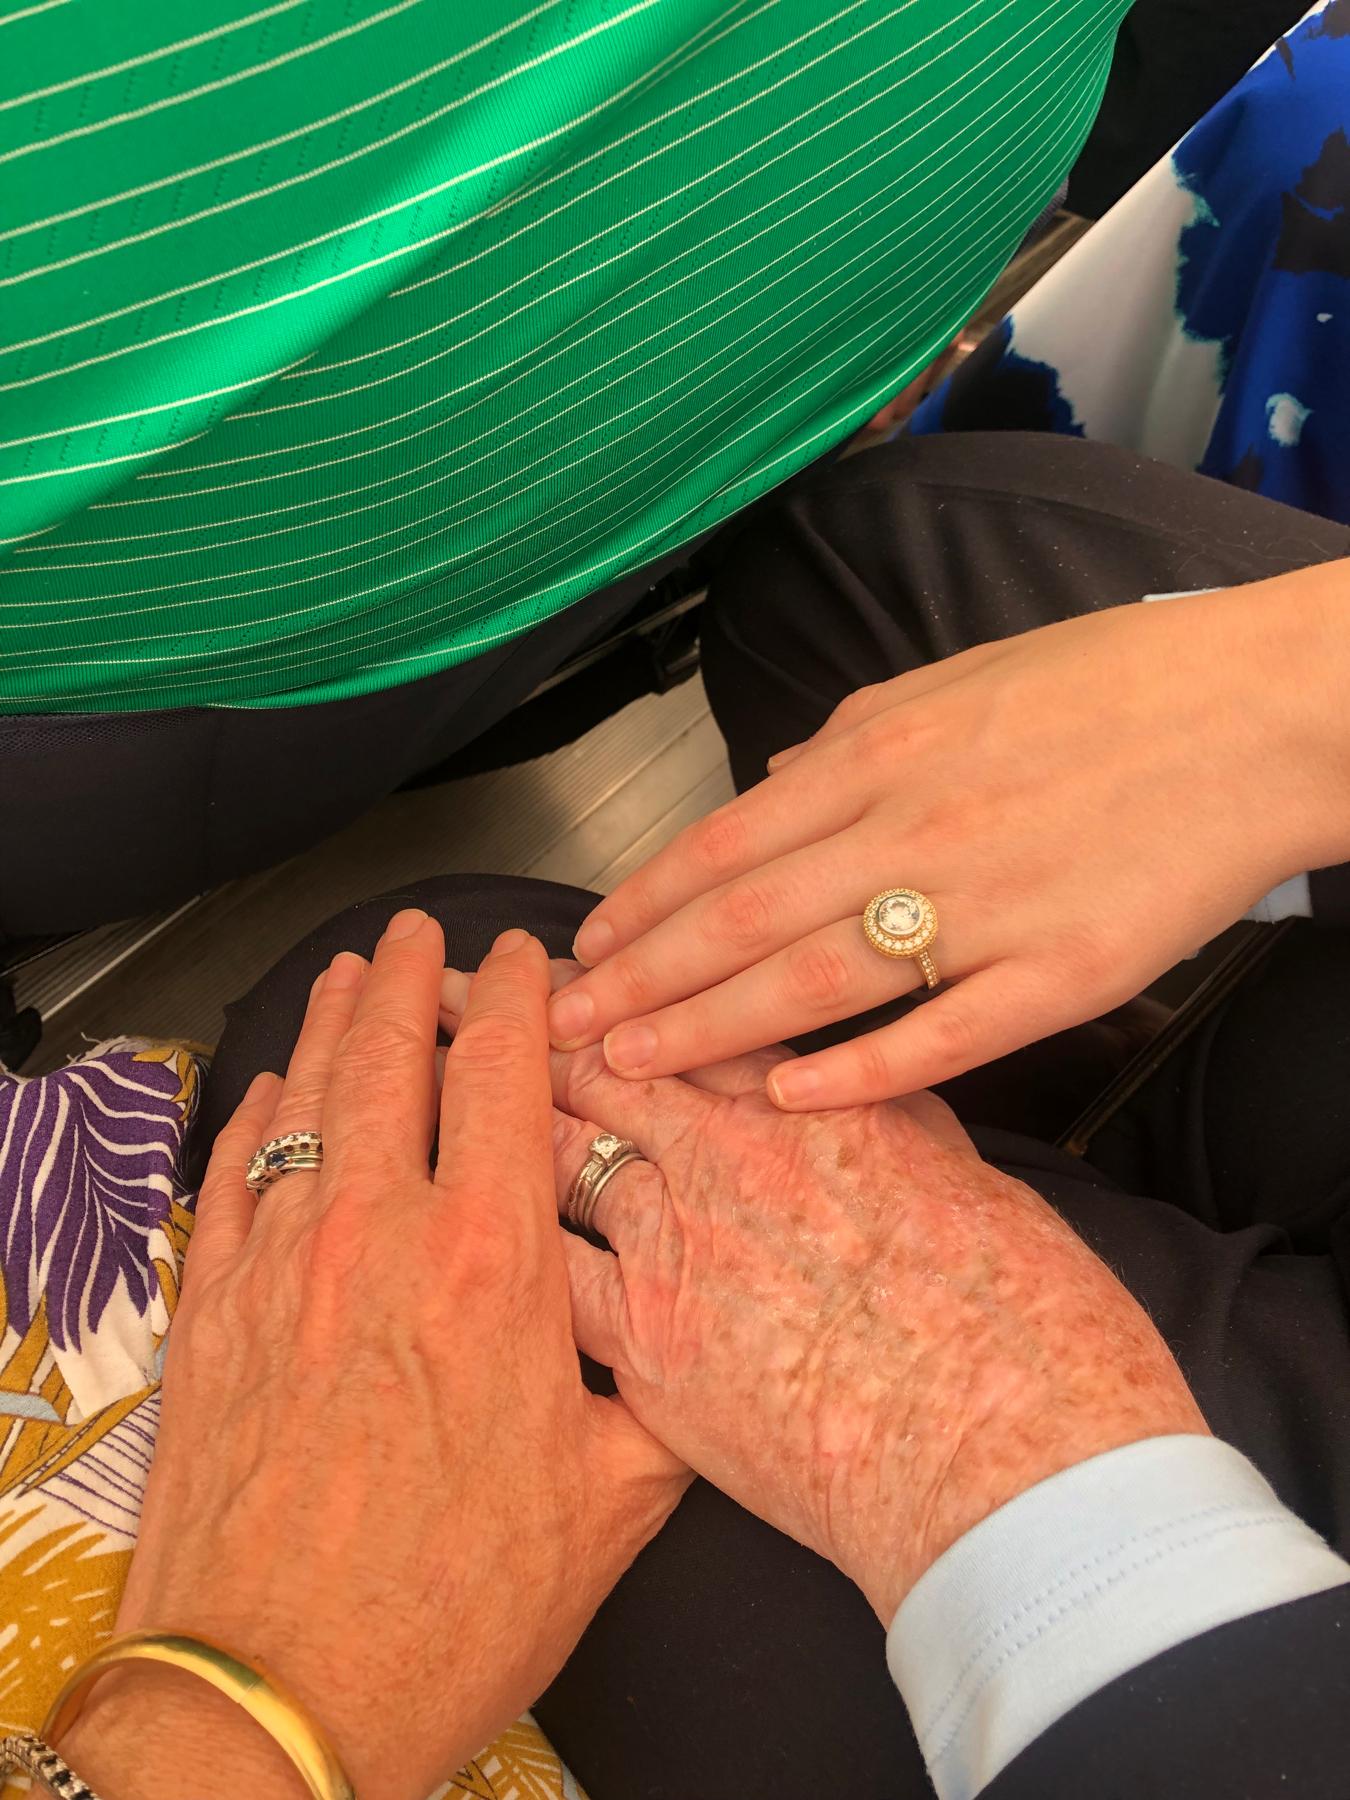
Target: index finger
[782,814]
[497,1100]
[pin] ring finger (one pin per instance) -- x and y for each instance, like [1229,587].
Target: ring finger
[332,1002]
[633,1193]
[830,974]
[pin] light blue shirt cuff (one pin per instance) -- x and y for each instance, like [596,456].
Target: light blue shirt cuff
[1292,899]
[1081,1579]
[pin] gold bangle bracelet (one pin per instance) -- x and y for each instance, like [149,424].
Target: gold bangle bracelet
[283,1718]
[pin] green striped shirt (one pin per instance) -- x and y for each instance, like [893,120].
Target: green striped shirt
[342,339]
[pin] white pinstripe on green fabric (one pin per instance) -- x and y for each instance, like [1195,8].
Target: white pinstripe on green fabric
[619,266]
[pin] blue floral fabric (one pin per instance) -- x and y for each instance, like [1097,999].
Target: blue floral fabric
[1206,318]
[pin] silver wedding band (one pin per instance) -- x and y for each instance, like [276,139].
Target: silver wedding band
[607,1155]
[283,1156]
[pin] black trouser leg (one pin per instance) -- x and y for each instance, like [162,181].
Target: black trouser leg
[105,815]
[730,1662]
[926,546]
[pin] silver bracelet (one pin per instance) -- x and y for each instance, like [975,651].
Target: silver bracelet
[25,1751]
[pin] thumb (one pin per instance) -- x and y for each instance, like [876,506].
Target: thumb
[635,1482]
[600,1323]
[600,1327]
[634,1453]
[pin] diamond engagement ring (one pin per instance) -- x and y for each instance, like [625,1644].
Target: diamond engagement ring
[606,1157]
[281,1156]
[903,922]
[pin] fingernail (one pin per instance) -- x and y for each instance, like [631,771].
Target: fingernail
[404,925]
[793,1087]
[569,1017]
[317,983]
[346,969]
[510,940]
[454,991]
[258,1083]
[630,1048]
[594,942]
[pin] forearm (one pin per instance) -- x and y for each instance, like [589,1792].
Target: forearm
[1035,1359]
[154,1734]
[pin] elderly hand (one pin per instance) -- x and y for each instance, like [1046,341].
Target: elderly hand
[847,1320]
[378,1473]
[1085,805]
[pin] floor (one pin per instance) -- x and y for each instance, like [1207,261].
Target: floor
[586,814]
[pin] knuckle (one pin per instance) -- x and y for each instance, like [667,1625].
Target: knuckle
[228,1160]
[636,902]
[326,1258]
[1086,953]
[946,826]
[742,916]
[718,842]
[379,1039]
[889,732]
[221,1175]
[490,1043]
[636,985]
[304,1093]
[873,1068]
[855,706]
[955,1037]
[212,1320]
[817,975]
[585,1070]
[328,1008]
[483,1254]
[483,1262]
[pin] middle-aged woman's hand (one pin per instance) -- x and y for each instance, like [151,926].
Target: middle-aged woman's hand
[1084,804]
[378,1473]
[846,1320]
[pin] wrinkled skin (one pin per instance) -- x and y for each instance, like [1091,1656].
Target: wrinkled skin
[846,1320]
[378,1474]
[1085,804]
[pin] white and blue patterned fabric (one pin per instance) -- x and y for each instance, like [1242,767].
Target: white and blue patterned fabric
[1205,320]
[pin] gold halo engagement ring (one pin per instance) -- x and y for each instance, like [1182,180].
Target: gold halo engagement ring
[903,922]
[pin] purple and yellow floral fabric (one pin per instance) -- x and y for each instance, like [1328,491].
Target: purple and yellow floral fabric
[94,1224]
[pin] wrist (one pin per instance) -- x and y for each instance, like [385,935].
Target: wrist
[1295,666]
[150,1733]
[886,1572]
[1034,1359]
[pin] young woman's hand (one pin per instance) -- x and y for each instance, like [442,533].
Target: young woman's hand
[378,1473]
[1085,805]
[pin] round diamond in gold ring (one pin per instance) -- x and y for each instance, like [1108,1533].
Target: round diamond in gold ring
[903,922]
